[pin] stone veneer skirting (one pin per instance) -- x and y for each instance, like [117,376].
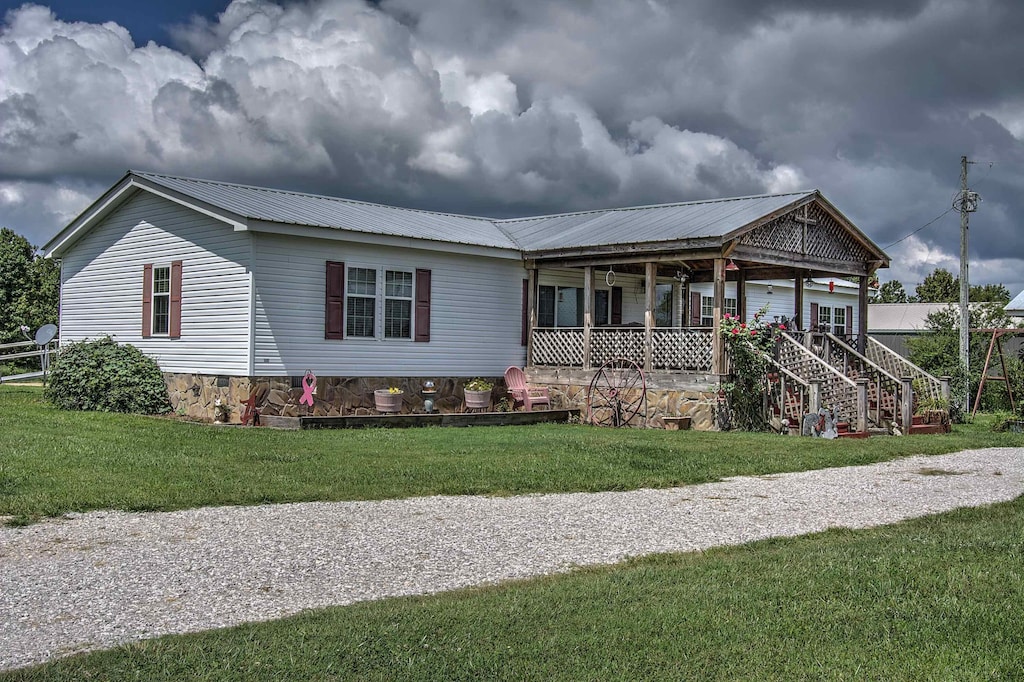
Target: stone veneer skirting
[195,395]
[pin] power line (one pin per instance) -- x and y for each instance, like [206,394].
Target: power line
[930,222]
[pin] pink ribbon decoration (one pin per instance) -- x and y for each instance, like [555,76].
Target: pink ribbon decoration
[308,388]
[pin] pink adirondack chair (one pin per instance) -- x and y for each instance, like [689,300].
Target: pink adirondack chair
[515,379]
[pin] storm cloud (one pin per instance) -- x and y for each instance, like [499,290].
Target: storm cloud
[537,106]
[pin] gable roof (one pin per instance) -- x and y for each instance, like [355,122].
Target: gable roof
[244,205]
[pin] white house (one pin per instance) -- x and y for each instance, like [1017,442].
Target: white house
[225,283]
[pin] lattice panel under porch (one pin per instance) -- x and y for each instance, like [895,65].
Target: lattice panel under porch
[684,349]
[558,347]
[608,344]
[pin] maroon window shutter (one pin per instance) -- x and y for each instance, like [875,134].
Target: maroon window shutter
[334,301]
[694,308]
[616,305]
[814,317]
[526,312]
[147,301]
[849,320]
[422,305]
[174,327]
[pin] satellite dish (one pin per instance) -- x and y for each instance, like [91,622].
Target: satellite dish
[45,334]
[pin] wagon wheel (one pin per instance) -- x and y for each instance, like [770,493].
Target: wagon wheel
[618,394]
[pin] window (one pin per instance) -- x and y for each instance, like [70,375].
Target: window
[378,303]
[397,304]
[707,309]
[832,319]
[601,307]
[663,305]
[161,300]
[361,302]
[563,306]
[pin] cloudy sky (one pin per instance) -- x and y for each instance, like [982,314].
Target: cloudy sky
[520,107]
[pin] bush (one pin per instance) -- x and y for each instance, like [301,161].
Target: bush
[103,375]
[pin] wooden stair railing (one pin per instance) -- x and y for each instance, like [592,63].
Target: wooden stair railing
[883,387]
[838,392]
[788,395]
[926,385]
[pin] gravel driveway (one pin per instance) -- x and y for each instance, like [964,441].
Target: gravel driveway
[95,580]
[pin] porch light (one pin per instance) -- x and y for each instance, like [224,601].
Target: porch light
[770,290]
[731,267]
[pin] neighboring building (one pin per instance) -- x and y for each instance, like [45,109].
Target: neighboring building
[229,286]
[894,323]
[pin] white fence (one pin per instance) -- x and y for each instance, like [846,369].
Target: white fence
[12,351]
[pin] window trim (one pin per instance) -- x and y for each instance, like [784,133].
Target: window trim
[160,295]
[729,307]
[380,298]
[172,294]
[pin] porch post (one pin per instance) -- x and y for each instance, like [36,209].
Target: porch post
[531,307]
[798,301]
[650,271]
[717,347]
[862,315]
[588,312]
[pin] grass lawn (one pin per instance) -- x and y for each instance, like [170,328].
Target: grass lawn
[937,598]
[53,462]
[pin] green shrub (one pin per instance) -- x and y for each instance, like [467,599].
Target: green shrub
[106,376]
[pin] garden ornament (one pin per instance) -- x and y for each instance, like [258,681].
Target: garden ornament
[308,388]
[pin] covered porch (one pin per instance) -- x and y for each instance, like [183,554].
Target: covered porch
[638,283]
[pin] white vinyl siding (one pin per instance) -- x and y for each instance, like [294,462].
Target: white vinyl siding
[475,312]
[101,285]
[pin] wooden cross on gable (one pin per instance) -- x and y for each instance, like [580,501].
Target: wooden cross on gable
[804,220]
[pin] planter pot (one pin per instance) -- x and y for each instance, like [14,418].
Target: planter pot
[385,401]
[477,400]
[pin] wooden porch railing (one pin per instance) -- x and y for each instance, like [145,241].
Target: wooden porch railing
[672,348]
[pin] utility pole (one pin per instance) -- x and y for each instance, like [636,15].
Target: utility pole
[968,204]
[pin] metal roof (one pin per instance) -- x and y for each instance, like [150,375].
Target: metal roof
[296,208]
[661,223]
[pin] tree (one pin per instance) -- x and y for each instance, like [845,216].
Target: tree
[938,352]
[891,292]
[29,287]
[939,287]
[994,293]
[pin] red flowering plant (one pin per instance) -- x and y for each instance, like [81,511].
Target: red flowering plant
[748,344]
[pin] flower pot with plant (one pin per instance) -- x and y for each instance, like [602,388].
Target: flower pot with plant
[388,399]
[478,394]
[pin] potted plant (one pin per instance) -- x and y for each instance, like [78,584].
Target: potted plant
[388,399]
[478,394]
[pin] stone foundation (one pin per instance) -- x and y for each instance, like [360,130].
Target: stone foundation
[195,395]
[669,394]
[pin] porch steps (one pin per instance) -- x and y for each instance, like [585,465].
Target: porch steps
[843,431]
[920,427]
